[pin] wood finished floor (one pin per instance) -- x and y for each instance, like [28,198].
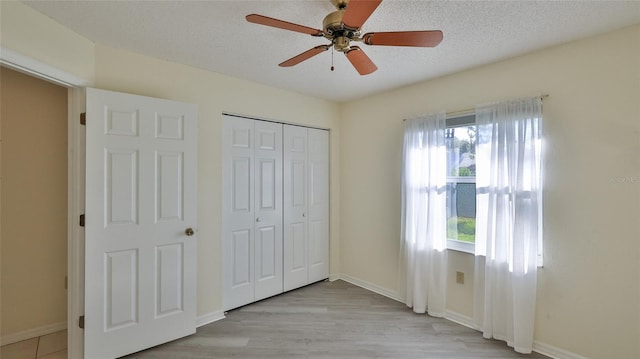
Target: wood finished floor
[331,320]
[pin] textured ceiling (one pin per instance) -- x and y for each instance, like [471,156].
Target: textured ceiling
[213,35]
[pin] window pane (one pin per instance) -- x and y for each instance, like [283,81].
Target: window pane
[461,187]
[461,211]
[461,151]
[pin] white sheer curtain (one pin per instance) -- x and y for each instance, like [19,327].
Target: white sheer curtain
[509,220]
[423,237]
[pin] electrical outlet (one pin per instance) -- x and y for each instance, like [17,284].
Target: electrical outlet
[460,277]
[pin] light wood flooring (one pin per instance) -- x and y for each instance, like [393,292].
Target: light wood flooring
[331,320]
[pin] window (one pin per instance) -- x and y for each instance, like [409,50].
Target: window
[460,140]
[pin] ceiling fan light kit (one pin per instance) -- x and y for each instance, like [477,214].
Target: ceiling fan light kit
[343,26]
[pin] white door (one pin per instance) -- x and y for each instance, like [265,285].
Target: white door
[318,207]
[237,211]
[140,254]
[252,210]
[268,209]
[295,207]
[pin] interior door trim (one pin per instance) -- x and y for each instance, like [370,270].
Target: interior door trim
[75,183]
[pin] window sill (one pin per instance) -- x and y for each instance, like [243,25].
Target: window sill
[461,246]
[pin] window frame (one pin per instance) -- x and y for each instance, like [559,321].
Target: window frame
[453,122]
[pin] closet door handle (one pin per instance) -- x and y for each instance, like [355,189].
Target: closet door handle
[257,219]
[304,214]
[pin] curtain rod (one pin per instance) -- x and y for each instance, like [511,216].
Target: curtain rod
[471,110]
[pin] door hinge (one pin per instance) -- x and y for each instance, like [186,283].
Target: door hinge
[81,322]
[82,220]
[83,118]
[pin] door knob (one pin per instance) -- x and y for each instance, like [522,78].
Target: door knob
[258,219]
[304,214]
[189,231]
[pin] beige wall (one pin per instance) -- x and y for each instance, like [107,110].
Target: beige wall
[123,71]
[33,196]
[32,34]
[588,291]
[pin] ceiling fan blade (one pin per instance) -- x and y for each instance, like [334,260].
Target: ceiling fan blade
[268,21]
[304,56]
[358,11]
[404,38]
[360,61]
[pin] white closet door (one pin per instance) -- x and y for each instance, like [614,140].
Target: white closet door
[295,207]
[268,209]
[318,204]
[238,212]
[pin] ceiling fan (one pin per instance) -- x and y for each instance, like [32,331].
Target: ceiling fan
[343,26]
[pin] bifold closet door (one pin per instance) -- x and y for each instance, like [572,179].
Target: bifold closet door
[296,269]
[306,206]
[318,199]
[252,210]
[268,209]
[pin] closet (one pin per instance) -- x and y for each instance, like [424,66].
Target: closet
[275,220]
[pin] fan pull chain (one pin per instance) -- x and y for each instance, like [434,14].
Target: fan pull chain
[332,68]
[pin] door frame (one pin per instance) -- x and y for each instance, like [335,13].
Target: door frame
[75,184]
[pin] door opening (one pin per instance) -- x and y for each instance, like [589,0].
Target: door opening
[34,213]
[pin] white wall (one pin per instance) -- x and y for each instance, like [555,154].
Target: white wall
[589,290]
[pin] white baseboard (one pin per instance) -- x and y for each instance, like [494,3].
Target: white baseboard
[32,333]
[370,286]
[538,347]
[554,352]
[209,318]
[460,319]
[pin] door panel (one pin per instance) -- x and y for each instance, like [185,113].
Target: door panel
[315,243]
[267,184]
[241,272]
[238,212]
[169,127]
[122,170]
[121,289]
[299,246]
[241,184]
[141,185]
[265,247]
[268,209]
[121,121]
[318,204]
[295,200]
[240,227]
[298,184]
[169,178]
[169,279]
